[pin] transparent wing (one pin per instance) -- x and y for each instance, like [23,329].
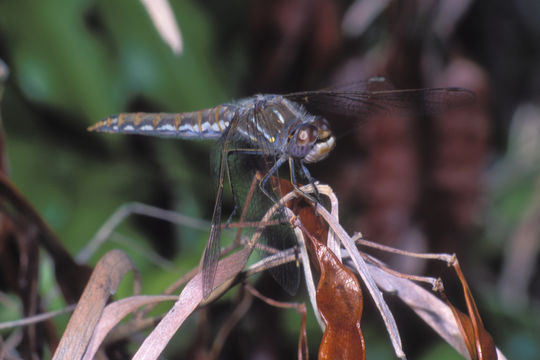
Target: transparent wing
[275,237]
[249,151]
[213,246]
[239,153]
[364,98]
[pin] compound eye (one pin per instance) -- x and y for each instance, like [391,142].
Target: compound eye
[307,134]
[323,127]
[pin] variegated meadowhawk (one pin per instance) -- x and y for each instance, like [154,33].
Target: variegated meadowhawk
[268,131]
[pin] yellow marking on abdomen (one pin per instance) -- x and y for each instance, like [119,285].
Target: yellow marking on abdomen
[119,120]
[216,117]
[178,121]
[156,121]
[137,119]
[199,120]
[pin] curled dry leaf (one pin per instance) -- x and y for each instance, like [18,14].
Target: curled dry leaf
[424,303]
[340,302]
[437,314]
[479,342]
[189,299]
[116,311]
[303,352]
[102,284]
[348,243]
[360,265]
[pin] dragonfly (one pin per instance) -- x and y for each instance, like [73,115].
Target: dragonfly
[289,129]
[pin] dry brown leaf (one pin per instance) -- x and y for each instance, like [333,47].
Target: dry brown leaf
[340,302]
[433,311]
[188,301]
[303,351]
[104,281]
[479,342]
[115,312]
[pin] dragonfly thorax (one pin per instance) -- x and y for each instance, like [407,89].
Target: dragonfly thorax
[285,128]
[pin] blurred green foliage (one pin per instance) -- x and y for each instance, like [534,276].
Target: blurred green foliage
[75,62]
[82,61]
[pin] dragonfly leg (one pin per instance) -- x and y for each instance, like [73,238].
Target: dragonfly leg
[231,183]
[308,176]
[264,180]
[312,182]
[233,212]
[272,171]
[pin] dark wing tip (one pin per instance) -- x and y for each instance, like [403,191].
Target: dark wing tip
[465,97]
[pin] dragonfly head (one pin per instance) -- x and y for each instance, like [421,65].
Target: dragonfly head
[313,141]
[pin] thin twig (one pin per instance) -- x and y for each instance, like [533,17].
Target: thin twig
[271,261]
[435,283]
[448,258]
[36,318]
[272,302]
[121,213]
[238,313]
[150,255]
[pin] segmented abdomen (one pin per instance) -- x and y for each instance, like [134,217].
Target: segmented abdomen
[204,124]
